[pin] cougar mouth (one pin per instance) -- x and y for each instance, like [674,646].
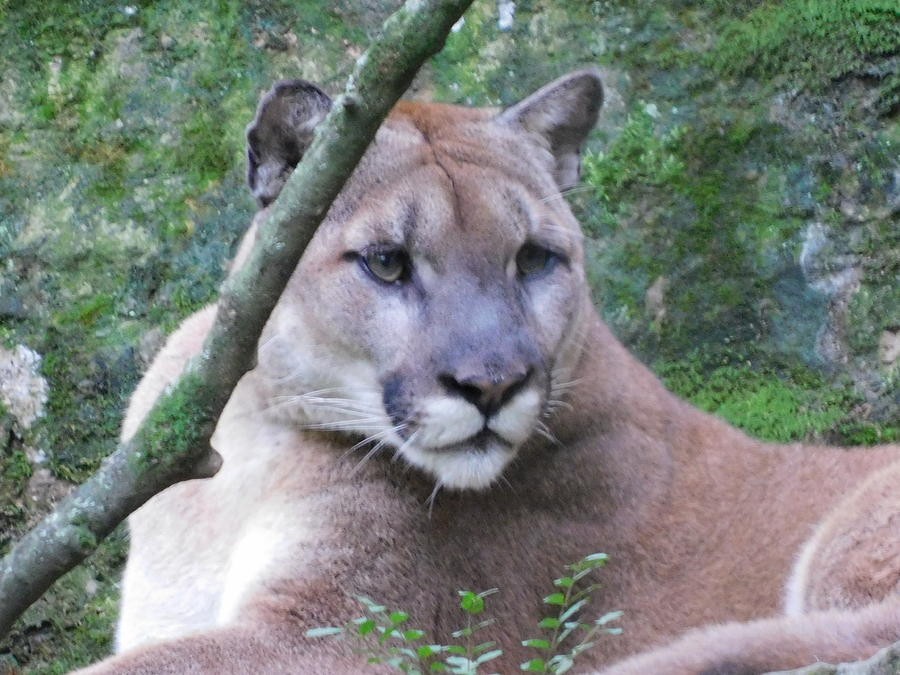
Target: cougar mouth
[456,443]
[482,441]
[474,464]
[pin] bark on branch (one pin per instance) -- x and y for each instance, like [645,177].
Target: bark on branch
[172,445]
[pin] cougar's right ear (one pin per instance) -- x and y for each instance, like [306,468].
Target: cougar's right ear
[280,133]
[561,113]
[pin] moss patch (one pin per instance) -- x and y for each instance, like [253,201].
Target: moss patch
[781,405]
[815,42]
[73,624]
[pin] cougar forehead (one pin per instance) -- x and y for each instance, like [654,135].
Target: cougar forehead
[455,363]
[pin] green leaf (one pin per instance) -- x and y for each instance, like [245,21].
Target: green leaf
[569,626]
[564,582]
[370,604]
[488,656]
[456,649]
[561,663]
[590,562]
[584,593]
[550,622]
[324,631]
[435,649]
[413,634]
[460,662]
[537,643]
[398,617]
[555,599]
[606,618]
[573,609]
[365,626]
[471,603]
[581,574]
[484,645]
[437,666]
[386,633]
[534,666]
[462,632]
[583,647]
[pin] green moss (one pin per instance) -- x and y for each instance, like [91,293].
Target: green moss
[676,203]
[87,540]
[15,470]
[74,622]
[87,311]
[177,430]
[87,388]
[484,65]
[783,406]
[874,308]
[639,157]
[814,41]
[16,467]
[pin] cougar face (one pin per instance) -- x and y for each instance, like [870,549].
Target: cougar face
[436,310]
[474,373]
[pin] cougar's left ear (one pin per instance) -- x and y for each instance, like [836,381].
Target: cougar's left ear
[562,112]
[282,131]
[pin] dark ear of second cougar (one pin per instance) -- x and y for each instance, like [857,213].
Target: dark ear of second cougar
[281,133]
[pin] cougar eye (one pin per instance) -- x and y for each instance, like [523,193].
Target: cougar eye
[533,259]
[387,265]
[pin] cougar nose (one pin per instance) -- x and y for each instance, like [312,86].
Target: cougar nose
[487,392]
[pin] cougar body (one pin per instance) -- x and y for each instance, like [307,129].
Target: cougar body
[441,314]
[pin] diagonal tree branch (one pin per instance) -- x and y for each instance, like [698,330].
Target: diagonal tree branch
[172,444]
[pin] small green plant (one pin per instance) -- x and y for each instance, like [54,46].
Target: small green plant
[388,641]
[570,599]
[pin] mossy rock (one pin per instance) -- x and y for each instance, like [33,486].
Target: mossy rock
[741,205]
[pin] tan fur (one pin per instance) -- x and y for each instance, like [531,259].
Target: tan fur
[703,524]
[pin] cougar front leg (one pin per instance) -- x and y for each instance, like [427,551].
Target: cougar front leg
[772,644]
[852,558]
[232,650]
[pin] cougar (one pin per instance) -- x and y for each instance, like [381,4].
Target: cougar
[437,406]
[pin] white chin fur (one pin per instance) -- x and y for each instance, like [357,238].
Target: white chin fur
[461,469]
[515,421]
[447,421]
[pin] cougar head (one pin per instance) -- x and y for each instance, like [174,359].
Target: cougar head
[438,308]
